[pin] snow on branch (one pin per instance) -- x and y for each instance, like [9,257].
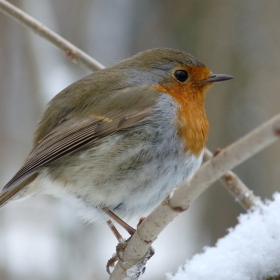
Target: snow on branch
[251,250]
[181,198]
[70,50]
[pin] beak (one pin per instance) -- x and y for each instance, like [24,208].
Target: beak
[216,78]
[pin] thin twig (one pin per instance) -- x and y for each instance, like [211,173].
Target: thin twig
[181,198]
[69,49]
[235,186]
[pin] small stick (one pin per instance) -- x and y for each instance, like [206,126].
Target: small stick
[243,195]
[69,49]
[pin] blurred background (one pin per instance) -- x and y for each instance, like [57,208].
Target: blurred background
[42,238]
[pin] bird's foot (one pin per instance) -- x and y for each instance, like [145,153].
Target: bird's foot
[118,255]
[139,267]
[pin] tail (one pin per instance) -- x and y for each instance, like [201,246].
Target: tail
[6,196]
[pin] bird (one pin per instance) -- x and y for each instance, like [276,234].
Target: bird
[117,141]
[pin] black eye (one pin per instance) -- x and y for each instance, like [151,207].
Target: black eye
[181,75]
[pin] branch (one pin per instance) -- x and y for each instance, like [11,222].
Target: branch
[181,198]
[69,49]
[235,186]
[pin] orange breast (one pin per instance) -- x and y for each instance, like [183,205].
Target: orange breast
[193,126]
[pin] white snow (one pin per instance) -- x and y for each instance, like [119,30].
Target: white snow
[249,251]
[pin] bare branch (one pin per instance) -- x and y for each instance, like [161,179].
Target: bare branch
[235,186]
[69,49]
[181,198]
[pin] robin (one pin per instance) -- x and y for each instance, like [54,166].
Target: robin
[117,141]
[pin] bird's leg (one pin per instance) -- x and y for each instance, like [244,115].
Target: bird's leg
[122,223]
[111,262]
[114,230]
[122,243]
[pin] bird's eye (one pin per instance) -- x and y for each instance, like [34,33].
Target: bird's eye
[181,75]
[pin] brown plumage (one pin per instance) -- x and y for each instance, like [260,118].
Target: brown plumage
[122,137]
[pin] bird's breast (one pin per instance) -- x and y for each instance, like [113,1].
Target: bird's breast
[190,118]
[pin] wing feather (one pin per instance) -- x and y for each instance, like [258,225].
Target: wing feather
[70,136]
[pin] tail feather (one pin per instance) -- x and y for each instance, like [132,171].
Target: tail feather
[6,196]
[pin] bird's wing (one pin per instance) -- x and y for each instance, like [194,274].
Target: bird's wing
[68,137]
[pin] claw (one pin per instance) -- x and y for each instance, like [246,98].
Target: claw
[111,263]
[117,256]
[140,266]
[120,248]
